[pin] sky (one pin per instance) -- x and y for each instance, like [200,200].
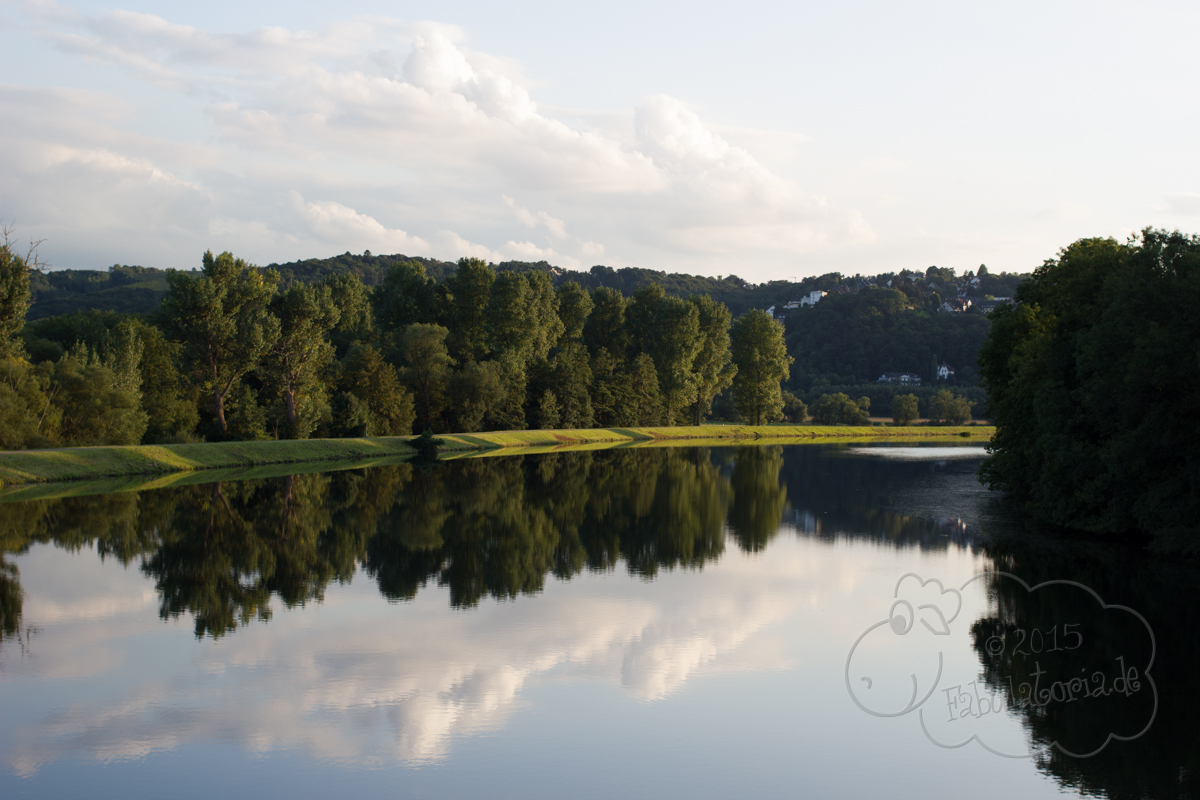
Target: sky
[767,140]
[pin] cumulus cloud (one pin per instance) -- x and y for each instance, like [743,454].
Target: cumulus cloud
[335,222]
[403,119]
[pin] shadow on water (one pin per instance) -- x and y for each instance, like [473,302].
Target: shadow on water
[500,527]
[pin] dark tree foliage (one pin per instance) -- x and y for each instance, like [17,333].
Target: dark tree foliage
[1093,377]
[855,338]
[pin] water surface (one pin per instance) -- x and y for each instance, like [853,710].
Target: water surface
[622,623]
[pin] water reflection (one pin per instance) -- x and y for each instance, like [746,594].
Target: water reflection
[1160,763]
[483,528]
[360,684]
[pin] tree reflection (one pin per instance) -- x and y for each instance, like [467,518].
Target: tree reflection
[1161,763]
[494,527]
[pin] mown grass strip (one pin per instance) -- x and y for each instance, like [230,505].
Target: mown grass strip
[91,463]
[98,463]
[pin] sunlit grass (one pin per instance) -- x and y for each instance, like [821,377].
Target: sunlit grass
[105,463]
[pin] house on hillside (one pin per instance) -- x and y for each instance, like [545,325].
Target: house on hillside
[771,311]
[902,378]
[956,305]
[811,299]
[945,372]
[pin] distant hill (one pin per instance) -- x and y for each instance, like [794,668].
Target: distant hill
[128,290]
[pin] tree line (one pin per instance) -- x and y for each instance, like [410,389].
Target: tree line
[232,354]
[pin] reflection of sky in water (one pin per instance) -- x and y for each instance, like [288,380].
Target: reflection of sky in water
[919,453]
[711,683]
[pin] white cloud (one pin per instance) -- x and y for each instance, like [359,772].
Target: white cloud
[399,118]
[335,222]
[557,227]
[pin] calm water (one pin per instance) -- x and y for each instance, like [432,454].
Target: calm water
[625,623]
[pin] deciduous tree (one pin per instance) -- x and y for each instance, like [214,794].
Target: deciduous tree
[222,318]
[762,364]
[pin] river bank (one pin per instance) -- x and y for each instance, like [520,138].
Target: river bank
[93,463]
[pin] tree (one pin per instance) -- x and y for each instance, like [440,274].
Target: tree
[713,369]
[28,416]
[223,319]
[904,409]
[605,325]
[356,321]
[1091,378]
[568,374]
[96,408]
[547,411]
[762,364]
[546,328]
[14,290]
[509,322]
[427,368]
[380,405]
[574,306]
[469,287]
[667,329]
[509,413]
[839,409]
[948,407]
[407,296]
[306,316]
[475,390]
[794,409]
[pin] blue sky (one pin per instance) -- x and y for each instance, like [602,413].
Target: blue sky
[769,140]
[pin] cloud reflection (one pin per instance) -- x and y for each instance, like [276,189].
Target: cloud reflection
[361,681]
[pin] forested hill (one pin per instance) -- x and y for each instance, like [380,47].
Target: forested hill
[739,295]
[853,338]
[137,290]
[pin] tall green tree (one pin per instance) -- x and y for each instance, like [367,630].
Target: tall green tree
[224,321]
[356,319]
[605,325]
[293,364]
[509,322]
[762,364]
[667,329]
[470,287]
[574,306]
[713,370]
[546,327]
[427,365]
[407,296]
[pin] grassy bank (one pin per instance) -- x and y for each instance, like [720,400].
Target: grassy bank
[103,463]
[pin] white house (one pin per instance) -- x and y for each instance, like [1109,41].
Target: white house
[903,378]
[812,299]
[945,372]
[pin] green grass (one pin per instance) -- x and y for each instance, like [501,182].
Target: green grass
[106,463]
